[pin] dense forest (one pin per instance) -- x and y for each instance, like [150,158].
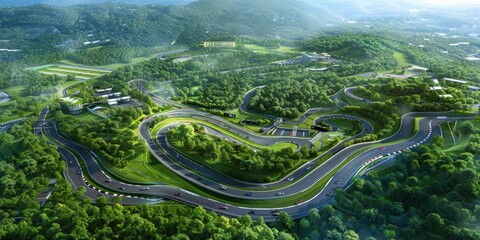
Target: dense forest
[296,93]
[242,161]
[427,193]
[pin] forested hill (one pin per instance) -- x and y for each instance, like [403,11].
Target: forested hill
[17,3]
[158,24]
[285,18]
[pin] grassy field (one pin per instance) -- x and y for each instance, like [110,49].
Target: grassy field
[401,59]
[112,66]
[310,121]
[344,125]
[461,141]
[383,97]
[243,115]
[77,71]
[447,135]
[18,91]
[281,49]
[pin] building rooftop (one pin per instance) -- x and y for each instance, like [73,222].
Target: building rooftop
[72,101]
[455,80]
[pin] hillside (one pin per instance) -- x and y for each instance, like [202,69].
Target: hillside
[156,24]
[365,47]
[17,3]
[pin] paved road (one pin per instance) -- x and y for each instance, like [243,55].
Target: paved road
[349,92]
[162,55]
[344,175]
[7,125]
[303,178]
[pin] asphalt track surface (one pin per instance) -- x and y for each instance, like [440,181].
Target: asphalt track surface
[303,178]
[189,170]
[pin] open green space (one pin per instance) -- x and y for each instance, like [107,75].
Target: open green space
[241,115]
[112,66]
[77,71]
[461,140]
[401,59]
[447,135]
[17,91]
[261,49]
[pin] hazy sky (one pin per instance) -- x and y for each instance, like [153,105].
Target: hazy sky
[450,2]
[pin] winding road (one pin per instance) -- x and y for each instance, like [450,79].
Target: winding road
[84,169]
[304,177]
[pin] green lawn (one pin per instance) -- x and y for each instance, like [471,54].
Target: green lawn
[310,120]
[401,59]
[17,91]
[261,49]
[461,141]
[383,97]
[112,66]
[447,135]
[344,125]
[243,115]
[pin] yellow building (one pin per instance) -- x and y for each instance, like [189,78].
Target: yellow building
[219,44]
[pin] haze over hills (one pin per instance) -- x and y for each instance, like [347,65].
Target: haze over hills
[150,25]
[355,8]
[16,3]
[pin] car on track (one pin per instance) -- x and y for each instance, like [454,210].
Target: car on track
[224,207]
[145,188]
[337,182]
[121,188]
[382,147]
[178,194]
[223,188]
[290,179]
[249,194]
[252,212]
[108,180]
[280,193]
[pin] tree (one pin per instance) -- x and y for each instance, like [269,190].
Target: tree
[350,235]
[433,222]
[285,221]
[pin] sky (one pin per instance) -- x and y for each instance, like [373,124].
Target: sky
[450,2]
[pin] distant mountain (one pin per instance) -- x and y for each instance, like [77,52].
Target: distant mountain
[285,18]
[375,8]
[17,3]
[148,25]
